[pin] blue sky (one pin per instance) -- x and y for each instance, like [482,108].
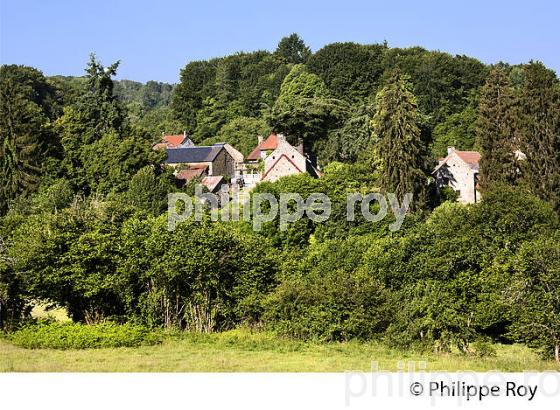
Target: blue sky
[155,39]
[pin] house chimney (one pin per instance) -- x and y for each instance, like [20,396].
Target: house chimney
[299,147]
[450,150]
[260,139]
[281,138]
[185,133]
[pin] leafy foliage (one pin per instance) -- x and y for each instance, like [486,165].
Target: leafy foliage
[76,336]
[27,106]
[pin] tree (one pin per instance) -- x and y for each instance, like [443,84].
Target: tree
[100,155]
[349,142]
[12,303]
[241,133]
[324,296]
[540,140]
[68,258]
[305,108]
[196,77]
[293,49]
[27,107]
[98,108]
[148,189]
[204,277]
[351,71]
[497,130]
[536,294]
[458,130]
[442,83]
[402,152]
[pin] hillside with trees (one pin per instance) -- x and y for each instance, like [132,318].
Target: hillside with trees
[83,199]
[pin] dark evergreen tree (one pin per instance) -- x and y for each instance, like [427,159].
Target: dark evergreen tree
[293,49]
[401,151]
[540,104]
[100,155]
[27,105]
[497,130]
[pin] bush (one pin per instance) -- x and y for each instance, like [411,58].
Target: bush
[325,298]
[78,336]
[483,348]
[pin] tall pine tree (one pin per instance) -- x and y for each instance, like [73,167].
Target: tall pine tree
[401,150]
[497,130]
[27,106]
[100,153]
[540,105]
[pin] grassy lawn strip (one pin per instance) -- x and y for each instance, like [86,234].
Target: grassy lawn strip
[243,351]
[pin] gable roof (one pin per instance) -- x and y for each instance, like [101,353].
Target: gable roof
[276,162]
[271,143]
[212,182]
[471,158]
[173,140]
[192,154]
[191,173]
[236,155]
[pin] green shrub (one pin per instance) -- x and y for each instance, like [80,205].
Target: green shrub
[483,348]
[78,336]
[326,298]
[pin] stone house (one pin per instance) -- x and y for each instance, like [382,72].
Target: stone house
[213,160]
[284,160]
[272,159]
[459,171]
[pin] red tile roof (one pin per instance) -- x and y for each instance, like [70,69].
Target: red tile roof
[271,143]
[470,157]
[173,140]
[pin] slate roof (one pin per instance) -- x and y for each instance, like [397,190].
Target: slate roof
[192,154]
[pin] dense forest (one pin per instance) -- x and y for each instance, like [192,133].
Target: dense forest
[83,198]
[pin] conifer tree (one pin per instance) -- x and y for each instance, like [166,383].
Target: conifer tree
[401,150]
[540,105]
[26,108]
[293,49]
[497,130]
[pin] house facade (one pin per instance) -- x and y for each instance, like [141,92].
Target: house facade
[284,160]
[459,171]
[215,160]
[273,158]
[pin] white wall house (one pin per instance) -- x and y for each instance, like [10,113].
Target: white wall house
[459,171]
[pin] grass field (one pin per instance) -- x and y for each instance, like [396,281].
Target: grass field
[242,351]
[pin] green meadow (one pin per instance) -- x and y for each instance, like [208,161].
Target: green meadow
[245,351]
